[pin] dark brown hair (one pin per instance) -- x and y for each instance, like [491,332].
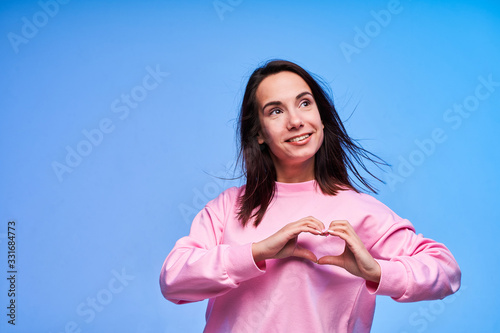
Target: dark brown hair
[337,155]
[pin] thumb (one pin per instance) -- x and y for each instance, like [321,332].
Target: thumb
[301,252]
[331,260]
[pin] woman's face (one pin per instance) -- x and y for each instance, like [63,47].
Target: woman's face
[290,122]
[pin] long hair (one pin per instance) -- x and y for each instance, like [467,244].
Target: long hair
[337,155]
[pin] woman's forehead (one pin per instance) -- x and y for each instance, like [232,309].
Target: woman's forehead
[280,87]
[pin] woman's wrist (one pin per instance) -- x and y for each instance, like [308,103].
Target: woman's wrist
[375,275]
[257,253]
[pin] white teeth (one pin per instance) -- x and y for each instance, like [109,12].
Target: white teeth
[300,138]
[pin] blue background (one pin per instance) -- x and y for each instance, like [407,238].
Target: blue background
[91,236]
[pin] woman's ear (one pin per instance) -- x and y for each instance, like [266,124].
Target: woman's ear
[260,138]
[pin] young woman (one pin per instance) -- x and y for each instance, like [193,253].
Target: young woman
[299,248]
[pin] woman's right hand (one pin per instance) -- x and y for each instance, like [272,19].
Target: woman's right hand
[283,243]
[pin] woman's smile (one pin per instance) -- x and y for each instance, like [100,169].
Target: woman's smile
[301,139]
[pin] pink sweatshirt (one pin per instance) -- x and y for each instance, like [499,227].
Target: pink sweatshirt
[296,295]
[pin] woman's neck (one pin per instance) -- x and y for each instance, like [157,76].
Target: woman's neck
[299,173]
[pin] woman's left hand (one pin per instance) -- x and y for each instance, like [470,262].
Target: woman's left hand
[355,259]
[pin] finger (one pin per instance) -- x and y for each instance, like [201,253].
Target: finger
[311,220]
[338,230]
[353,242]
[340,224]
[304,228]
[331,260]
[320,224]
[351,238]
[309,228]
[315,231]
[301,252]
[339,233]
[341,228]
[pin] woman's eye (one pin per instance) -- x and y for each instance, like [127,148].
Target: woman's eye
[305,103]
[274,111]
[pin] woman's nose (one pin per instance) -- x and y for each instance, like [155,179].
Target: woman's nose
[294,120]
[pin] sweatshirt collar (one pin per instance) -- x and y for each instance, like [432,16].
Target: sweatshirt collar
[309,186]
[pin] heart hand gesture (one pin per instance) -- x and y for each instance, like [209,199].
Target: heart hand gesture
[355,259]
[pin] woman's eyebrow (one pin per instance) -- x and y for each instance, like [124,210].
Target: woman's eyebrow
[302,94]
[271,103]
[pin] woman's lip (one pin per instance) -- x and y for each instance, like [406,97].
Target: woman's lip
[301,142]
[298,136]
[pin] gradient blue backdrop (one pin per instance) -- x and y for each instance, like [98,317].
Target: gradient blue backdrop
[146,93]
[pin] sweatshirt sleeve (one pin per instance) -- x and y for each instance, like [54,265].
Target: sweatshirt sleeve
[200,266]
[413,268]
